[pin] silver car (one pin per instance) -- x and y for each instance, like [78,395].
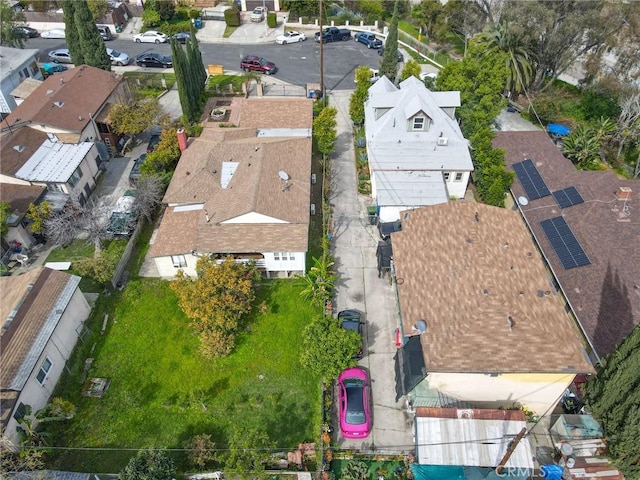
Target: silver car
[61,55]
[118,58]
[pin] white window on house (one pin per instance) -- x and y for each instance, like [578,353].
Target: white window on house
[284,256]
[458,177]
[419,123]
[44,371]
[276,256]
[292,257]
[179,261]
[446,176]
[77,175]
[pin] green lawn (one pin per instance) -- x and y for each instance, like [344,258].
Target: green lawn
[163,392]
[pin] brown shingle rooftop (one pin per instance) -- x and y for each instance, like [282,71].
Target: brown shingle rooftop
[27,302]
[17,147]
[20,196]
[80,91]
[474,275]
[277,211]
[605,295]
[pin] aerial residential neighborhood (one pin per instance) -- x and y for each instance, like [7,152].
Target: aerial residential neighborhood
[228,252]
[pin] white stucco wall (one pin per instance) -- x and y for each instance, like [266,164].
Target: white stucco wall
[457,188]
[58,350]
[539,392]
[166,268]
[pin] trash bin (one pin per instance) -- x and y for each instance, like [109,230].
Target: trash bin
[372,212]
[198,23]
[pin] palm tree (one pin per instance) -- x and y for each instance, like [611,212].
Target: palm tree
[520,58]
[604,130]
[582,147]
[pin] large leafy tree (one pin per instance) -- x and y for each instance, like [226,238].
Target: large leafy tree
[480,79]
[132,118]
[462,18]
[39,214]
[9,18]
[519,58]
[411,69]
[217,301]
[327,349]
[559,33]
[389,64]
[149,465]
[613,396]
[429,16]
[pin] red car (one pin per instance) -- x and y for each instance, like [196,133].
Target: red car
[258,64]
[354,403]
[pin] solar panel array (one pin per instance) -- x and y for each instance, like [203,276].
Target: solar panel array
[567,197]
[564,243]
[531,180]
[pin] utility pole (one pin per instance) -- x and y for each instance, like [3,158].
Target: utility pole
[510,449]
[321,56]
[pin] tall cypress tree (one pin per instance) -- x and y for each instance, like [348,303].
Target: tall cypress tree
[389,65]
[613,396]
[184,81]
[91,43]
[71,32]
[196,67]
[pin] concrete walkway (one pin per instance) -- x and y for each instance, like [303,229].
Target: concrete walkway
[354,244]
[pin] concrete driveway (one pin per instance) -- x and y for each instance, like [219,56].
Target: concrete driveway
[354,244]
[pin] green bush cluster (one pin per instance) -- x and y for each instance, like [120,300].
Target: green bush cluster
[272,20]
[232,16]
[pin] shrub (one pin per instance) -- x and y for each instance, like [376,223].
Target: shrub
[150,18]
[272,20]
[194,13]
[232,16]
[361,142]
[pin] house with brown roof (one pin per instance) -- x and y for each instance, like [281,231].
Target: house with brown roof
[603,292]
[19,197]
[73,105]
[415,148]
[242,192]
[482,323]
[33,157]
[42,314]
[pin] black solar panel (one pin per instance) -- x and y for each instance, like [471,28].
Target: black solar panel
[567,197]
[564,243]
[531,180]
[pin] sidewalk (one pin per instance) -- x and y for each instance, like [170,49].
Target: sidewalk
[212,31]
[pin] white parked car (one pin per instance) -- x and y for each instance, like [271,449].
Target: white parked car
[53,33]
[150,36]
[290,37]
[118,58]
[258,14]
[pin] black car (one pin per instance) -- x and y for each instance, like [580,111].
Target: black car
[152,59]
[25,31]
[134,175]
[387,228]
[352,320]
[181,37]
[399,53]
[153,143]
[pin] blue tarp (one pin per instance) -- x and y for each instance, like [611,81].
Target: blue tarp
[558,129]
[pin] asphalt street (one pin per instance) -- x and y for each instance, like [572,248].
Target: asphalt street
[298,63]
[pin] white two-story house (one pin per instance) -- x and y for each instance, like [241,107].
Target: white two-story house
[417,154]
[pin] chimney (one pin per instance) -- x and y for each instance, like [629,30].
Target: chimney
[624,193]
[182,139]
